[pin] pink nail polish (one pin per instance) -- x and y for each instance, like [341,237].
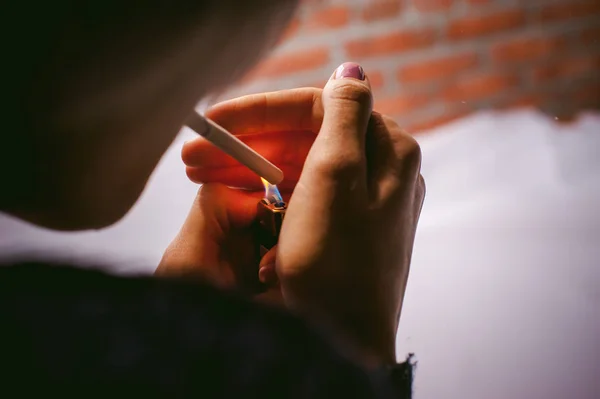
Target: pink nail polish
[350,70]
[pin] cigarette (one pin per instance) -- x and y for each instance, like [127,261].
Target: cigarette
[234,147]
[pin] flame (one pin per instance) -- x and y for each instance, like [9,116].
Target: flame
[265,183]
[271,191]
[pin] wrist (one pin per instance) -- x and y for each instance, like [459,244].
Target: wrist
[368,340]
[362,326]
[363,350]
[371,341]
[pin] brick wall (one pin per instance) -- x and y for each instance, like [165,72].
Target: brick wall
[431,61]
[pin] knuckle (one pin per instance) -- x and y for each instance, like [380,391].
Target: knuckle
[391,123]
[422,184]
[421,188]
[413,150]
[351,91]
[409,152]
[401,149]
[383,122]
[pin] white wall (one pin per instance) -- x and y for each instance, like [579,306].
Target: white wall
[503,299]
[137,242]
[504,294]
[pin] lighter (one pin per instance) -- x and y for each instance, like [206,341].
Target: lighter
[271,211]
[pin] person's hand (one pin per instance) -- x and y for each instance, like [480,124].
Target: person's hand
[345,248]
[281,126]
[216,242]
[346,244]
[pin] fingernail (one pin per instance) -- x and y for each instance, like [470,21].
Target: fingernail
[350,70]
[266,274]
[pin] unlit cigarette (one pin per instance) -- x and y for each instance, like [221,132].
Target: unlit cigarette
[236,148]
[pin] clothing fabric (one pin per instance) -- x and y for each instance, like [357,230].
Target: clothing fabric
[81,332]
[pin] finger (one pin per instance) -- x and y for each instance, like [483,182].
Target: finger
[296,109]
[267,275]
[269,258]
[394,160]
[347,103]
[281,148]
[266,268]
[420,197]
[242,177]
[228,207]
[215,211]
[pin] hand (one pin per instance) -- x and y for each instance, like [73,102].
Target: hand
[346,244]
[281,126]
[216,241]
[345,248]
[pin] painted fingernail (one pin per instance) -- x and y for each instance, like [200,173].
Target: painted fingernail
[350,70]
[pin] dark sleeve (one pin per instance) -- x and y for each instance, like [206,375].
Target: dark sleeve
[80,332]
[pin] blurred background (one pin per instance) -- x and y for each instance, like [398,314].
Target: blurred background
[432,61]
[504,293]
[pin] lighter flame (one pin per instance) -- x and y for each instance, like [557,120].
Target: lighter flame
[271,190]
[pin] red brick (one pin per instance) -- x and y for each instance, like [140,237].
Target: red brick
[401,104]
[566,116]
[397,42]
[569,10]
[332,17]
[588,94]
[432,5]
[381,9]
[527,99]
[527,49]
[591,35]
[568,68]
[286,64]
[376,79]
[430,123]
[479,87]
[439,68]
[477,26]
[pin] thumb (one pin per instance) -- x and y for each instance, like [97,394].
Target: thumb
[347,103]
[335,173]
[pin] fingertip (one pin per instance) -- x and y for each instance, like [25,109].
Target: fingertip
[189,151]
[194,174]
[350,73]
[349,83]
[349,70]
[267,275]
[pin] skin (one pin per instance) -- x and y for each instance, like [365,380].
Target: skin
[100,96]
[100,92]
[357,196]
